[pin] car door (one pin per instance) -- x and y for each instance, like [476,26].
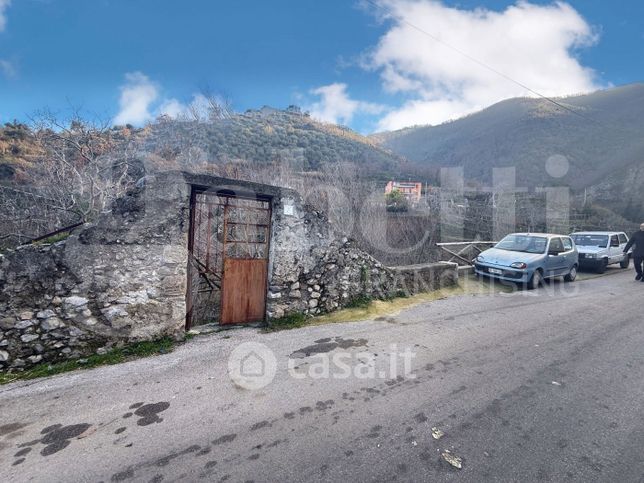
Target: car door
[555,259]
[569,254]
[623,241]
[614,252]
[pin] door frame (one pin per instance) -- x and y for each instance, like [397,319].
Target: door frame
[235,192]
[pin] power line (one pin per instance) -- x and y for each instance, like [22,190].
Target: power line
[490,68]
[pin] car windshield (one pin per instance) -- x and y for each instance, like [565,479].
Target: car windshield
[591,240]
[523,243]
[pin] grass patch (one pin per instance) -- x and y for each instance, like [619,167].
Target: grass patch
[360,301]
[115,356]
[54,238]
[394,305]
[289,321]
[365,308]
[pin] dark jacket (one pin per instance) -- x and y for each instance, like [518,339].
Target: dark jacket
[638,240]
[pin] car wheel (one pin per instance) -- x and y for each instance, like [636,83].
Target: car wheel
[626,262]
[603,265]
[572,275]
[536,280]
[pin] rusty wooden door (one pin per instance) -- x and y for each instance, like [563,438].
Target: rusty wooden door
[228,270]
[244,291]
[246,244]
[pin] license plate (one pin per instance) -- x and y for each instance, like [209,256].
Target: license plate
[495,271]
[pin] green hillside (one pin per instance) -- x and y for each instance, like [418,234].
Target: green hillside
[270,135]
[604,145]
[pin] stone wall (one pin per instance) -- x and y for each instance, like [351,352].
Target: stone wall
[124,278]
[120,279]
[313,270]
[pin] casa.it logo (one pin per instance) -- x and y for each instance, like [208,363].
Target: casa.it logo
[252,366]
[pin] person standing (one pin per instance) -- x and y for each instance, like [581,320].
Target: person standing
[638,252]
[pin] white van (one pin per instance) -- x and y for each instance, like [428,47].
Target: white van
[599,249]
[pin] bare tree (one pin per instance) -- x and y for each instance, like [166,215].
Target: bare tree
[83,165]
[76,168]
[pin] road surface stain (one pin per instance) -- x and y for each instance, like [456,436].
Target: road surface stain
[322,346]
[227,438]
[149,413]
[55,438]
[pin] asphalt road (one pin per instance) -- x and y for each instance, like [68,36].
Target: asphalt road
[546,385]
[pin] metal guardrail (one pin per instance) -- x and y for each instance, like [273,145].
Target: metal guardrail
[452,249]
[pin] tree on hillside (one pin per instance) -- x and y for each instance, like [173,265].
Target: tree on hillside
[396,202]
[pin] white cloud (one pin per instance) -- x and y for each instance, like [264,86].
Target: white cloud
[4,5]
[137,96]
[7,68]
[141,100]
[533,44]
[335,105]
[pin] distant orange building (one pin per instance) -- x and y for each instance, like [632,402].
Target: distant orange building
[410,189]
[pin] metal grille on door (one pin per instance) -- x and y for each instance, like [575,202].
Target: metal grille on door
[229,245]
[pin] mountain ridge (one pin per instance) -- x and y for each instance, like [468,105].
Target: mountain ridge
[604,145]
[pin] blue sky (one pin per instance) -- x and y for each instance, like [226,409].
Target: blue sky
[345,60]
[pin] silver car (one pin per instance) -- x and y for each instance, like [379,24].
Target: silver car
[599,249]
[529,258]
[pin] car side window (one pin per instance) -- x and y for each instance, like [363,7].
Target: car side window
[614,241]
[556,245]
[622,239]
[567,243]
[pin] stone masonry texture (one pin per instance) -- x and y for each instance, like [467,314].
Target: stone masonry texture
[124,278]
